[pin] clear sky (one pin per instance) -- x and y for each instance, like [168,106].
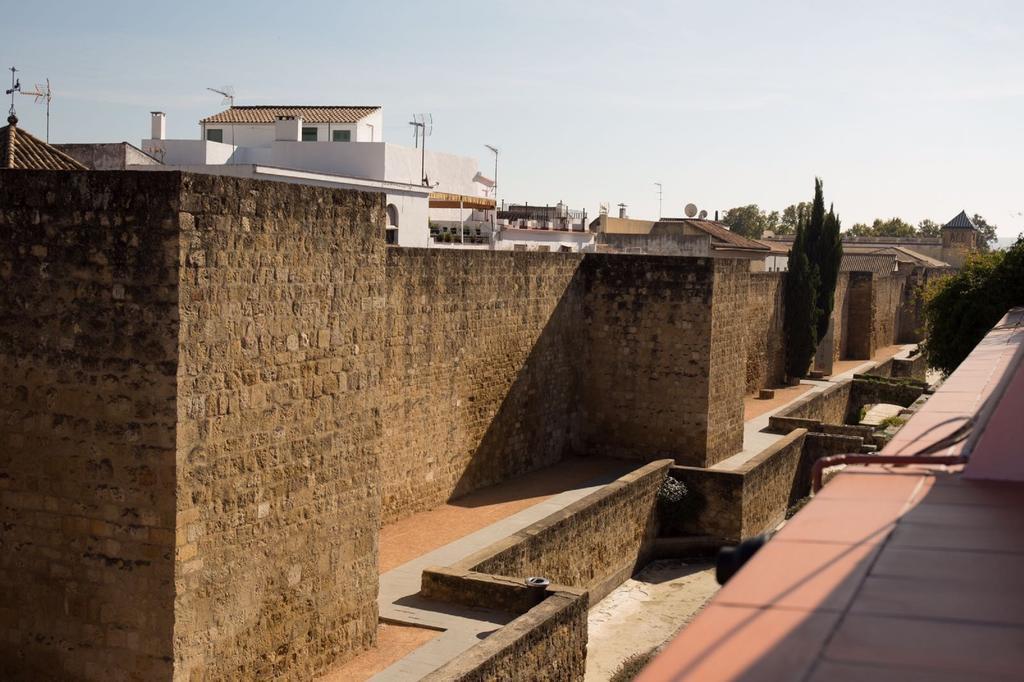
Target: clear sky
[910,109]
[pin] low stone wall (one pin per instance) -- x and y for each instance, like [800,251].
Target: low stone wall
[594,543]
[548,642]
[868,390]
[914,367]
[738,504]
[828,406]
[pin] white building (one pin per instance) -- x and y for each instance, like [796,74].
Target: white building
[334,146]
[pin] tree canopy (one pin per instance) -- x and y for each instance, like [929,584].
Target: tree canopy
[750,221]
[961,308]
[893,227]
[987,233]
[791,217]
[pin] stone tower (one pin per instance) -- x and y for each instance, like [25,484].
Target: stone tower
[959,238]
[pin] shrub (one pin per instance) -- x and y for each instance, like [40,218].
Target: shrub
[672,505]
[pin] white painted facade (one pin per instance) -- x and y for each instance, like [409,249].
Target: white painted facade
[366,157]
[511,238]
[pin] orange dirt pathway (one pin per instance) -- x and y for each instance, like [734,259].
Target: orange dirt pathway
[426,531]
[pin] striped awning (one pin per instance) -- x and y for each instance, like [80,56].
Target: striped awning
[447,200]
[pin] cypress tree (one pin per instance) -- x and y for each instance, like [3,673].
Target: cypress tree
[800,320]
[829,256]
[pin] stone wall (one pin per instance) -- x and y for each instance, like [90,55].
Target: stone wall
[860,337]
[209,383]
[88,363]
[829,406]
[189,420]
[281,297]
[480,370]
[594,543]
[548,642]
[739,503]
[766,347]
[646,382]
[727,361]
[887,310]
[498,363]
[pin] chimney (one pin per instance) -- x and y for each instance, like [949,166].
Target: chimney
[158,125]
[622,210]
[288,129]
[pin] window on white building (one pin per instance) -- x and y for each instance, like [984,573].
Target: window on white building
[215,134]
[341,135]
[309,134]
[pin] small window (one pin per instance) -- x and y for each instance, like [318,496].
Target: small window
[391,236]
[309,134]
[341,135]
[215,134]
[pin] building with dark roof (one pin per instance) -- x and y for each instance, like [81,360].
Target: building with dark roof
[676,237]
[20,150]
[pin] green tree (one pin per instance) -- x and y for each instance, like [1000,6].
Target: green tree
[987,233]
[929,228]
[749,221]
[800,320]
[811,282]
[960,309]
[893,227]
[791,217]
[829,256]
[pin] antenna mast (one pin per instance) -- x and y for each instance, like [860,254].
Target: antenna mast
[46,94]
[424,123]
[227,92]
[658,185]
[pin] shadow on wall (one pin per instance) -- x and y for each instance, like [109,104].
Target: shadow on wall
[537,419]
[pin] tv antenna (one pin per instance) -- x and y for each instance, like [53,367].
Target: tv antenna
[658,185]
[228,94]
[702,215]
[15,87]
[423,124]
[690,210]
[43,93]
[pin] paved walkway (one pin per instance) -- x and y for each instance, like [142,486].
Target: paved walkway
[463,627]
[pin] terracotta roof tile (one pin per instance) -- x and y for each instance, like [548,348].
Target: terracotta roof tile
[309,114]
[21,150]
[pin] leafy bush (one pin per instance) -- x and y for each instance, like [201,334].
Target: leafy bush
[672,505]
[960,309]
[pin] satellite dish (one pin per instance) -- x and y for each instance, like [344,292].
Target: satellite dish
[702,215]
[691,210]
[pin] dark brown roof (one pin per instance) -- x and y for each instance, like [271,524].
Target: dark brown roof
[20,150]
[269,114]
[719,233]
